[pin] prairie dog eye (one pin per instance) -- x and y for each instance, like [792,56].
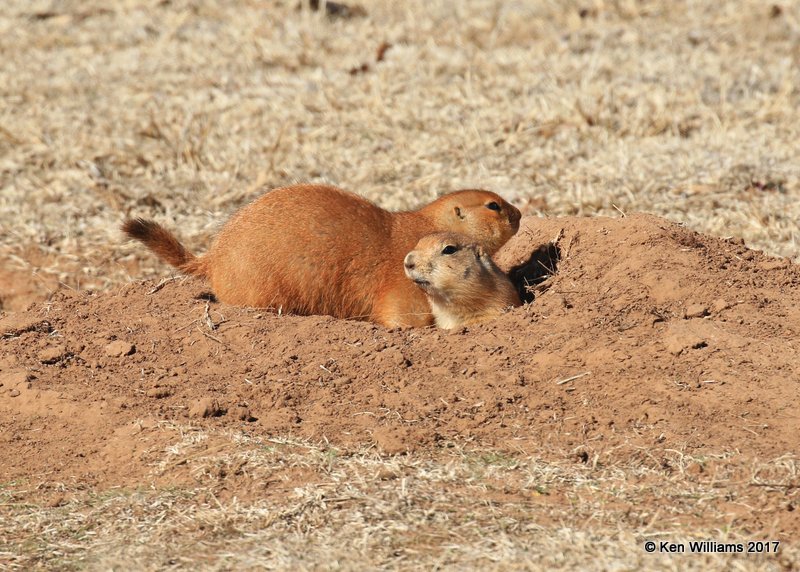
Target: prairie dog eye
[493,206]
[449,249]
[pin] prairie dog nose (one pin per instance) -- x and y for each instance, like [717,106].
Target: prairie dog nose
[409,261]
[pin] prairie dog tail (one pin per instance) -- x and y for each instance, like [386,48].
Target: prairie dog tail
[164,244]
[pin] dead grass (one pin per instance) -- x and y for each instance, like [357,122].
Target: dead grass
[309,506]
[185,110]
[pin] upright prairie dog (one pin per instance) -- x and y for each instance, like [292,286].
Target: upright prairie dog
[463,284]
[316,249]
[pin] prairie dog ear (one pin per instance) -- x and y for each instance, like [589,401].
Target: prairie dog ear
[457,211]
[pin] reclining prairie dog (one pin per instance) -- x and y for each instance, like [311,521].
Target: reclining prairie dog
[463,284]
[316,249]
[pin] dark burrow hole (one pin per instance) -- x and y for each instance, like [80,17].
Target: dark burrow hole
[207,296]
[542,264]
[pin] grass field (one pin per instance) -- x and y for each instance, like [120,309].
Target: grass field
[184,110]
[355,511]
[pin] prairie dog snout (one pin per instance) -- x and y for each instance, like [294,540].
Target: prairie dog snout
[462,283]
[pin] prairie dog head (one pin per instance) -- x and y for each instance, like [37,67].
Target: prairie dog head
[482,216]
[461,281]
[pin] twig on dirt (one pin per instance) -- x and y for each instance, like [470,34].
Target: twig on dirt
[207,316]
[619,210]
[189,325]
[209,336]
[572,378]
[572,240]
[161,284]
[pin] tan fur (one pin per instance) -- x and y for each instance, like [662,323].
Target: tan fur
[316,249]
[462,283]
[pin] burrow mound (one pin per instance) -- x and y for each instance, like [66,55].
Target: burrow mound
[647,336]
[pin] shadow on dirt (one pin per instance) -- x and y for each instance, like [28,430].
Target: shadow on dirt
[528,276]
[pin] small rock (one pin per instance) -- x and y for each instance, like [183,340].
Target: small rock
[120,348]
[719,305]
[206,407]
[695,311]
[14,393]
[158,392]
[51,355]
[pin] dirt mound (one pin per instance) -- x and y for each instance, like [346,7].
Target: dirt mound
[646,337]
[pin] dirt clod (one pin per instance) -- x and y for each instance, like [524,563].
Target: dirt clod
[17,324]
[242,413]
[119,348]
[52,355]
[206,407]
[695,311]
[719,305]
[678,343]
[158,392]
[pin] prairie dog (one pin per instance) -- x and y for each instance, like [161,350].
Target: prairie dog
[463,284]
[317,249]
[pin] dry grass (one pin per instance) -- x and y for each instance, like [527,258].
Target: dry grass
[311,506]
[184,110]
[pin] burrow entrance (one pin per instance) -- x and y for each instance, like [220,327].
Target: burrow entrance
[528,276]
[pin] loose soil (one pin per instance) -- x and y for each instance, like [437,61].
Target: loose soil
[643,337]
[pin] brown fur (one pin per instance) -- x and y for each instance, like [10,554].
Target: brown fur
[463,284]
[316,249]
